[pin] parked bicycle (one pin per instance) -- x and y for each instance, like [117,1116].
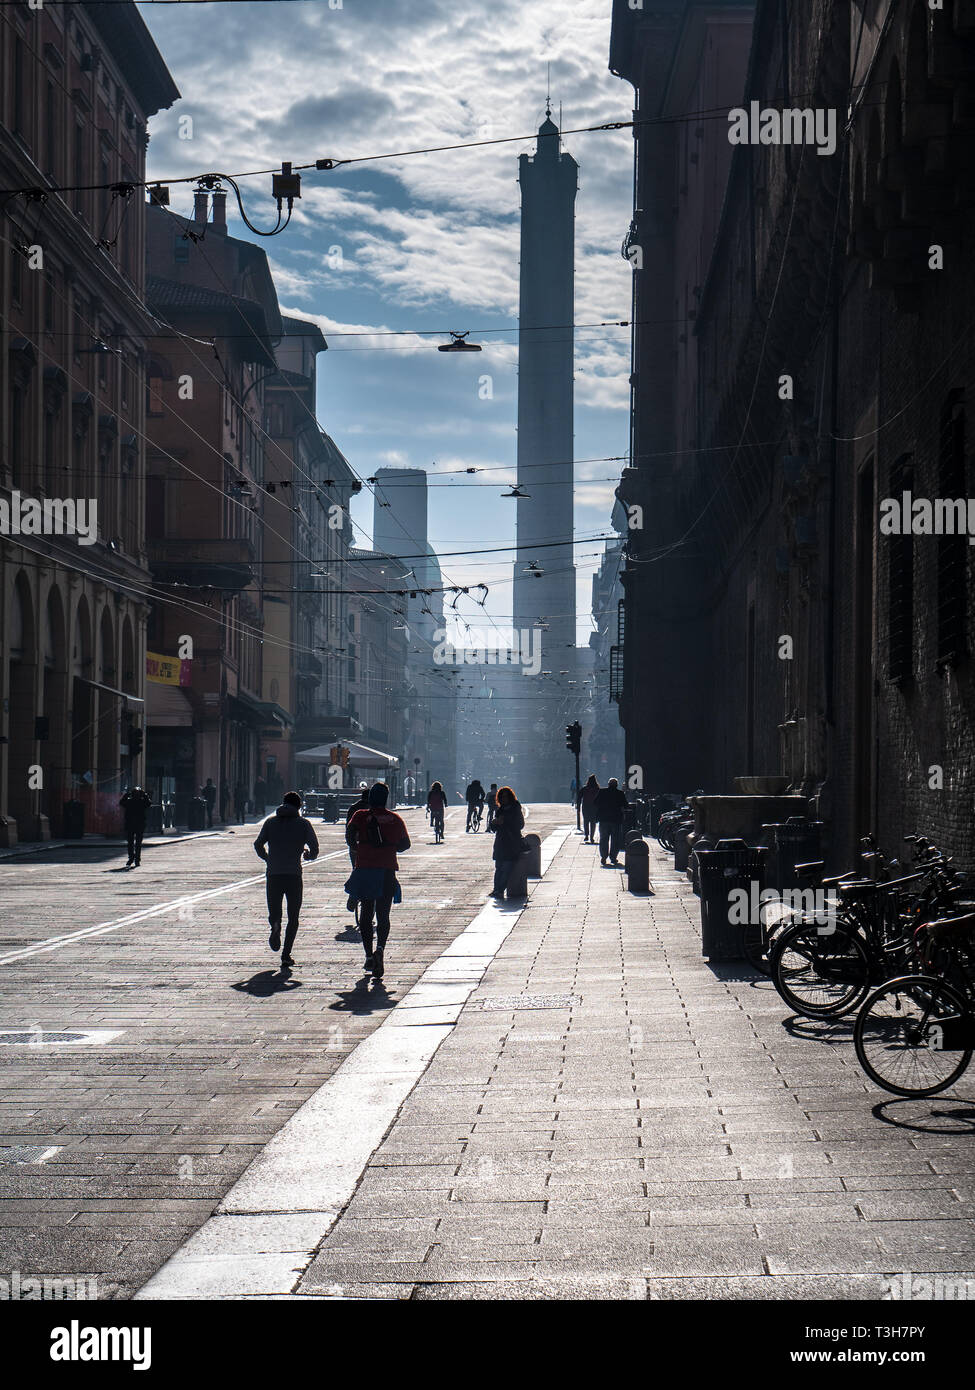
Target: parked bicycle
[825,965]
[914,1035]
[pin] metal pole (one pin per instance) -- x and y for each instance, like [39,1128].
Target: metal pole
[578,796]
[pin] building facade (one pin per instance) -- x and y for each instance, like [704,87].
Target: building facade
[774,625]
[305,666]
[208,515]
[77,86]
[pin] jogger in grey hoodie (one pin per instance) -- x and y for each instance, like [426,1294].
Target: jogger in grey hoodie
[282,845]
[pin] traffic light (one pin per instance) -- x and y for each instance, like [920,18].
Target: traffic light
[335,754]
[573,737]
[345,758]
[136,738]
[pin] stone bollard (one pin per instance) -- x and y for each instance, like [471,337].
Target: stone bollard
[682,850]
[636,865]
[534,856]
[518,882]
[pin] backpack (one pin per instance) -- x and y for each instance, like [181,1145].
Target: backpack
[374,832]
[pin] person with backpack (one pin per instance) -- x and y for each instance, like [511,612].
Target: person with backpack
[587,805]
[475,804]
[285,839]
[509,822]
[377,836]
[350,902]
[437,805]
[609,804]
[135,803]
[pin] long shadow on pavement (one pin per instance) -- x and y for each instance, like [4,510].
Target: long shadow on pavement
[931,1112]
[267,982]
[368,997]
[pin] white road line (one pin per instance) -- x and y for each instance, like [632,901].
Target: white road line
[53,943]
[266,1230]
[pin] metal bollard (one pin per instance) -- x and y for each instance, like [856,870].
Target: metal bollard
[534,856]
[636,865]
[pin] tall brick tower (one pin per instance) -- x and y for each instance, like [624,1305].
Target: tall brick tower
[544,579]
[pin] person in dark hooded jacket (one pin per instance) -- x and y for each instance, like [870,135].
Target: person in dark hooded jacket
[285,839]
[509,822]
[609,804]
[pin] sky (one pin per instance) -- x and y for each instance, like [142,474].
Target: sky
[422,243]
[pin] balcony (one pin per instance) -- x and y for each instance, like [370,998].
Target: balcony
[224,564]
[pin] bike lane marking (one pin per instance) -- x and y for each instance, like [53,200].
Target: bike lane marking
[53,943]
[265,1232]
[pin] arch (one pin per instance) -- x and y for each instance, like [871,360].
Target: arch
[22,684]
[107,731]
[54,701]
[871,162]
[82,692]
[128,675]
[893,132]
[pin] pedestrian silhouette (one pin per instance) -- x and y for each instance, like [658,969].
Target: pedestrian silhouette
[285,838]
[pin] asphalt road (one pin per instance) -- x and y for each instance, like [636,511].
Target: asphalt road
[199,1048]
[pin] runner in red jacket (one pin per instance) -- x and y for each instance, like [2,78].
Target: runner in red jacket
[376,835]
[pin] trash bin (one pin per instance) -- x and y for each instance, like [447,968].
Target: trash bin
[74,820]
[196,813]
[731,865]
[330,807]
[636,864]
[534,856]
[154,820]
[794,841]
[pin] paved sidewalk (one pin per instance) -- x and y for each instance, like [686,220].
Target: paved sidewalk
[637,1123]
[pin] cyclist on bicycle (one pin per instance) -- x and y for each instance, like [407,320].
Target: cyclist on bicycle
[475,805]
[436,805]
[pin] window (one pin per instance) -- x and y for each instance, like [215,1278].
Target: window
[51,422]
[900,599]
[79,168]
[952,550]
[155,508]
[17,436]
[20,106]
[16,276]
[50,302]
[51,130]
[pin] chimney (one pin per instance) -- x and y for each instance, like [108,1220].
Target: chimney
[200,207]
[220,212]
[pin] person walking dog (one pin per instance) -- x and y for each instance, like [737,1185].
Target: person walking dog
[377,836]
[285,839]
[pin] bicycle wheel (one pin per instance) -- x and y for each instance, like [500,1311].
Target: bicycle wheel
[819,974]
[899,1035]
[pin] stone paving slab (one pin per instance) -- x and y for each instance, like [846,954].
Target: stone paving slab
[673,1135]
[217,1049]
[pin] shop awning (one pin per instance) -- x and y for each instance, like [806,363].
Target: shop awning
[111,690]
[359,754]
[167,706]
